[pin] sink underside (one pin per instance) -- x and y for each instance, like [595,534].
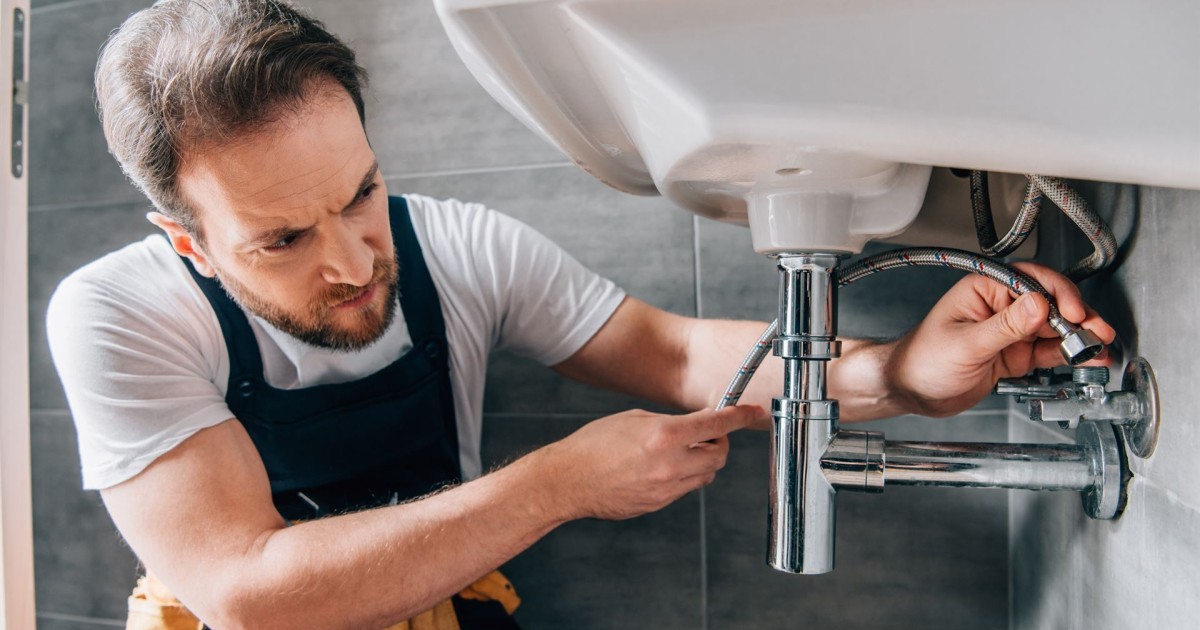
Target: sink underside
[714,102]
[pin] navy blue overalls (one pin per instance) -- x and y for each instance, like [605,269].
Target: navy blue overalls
[387,437]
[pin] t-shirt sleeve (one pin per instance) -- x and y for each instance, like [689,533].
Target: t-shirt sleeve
[546,305]
[137,364]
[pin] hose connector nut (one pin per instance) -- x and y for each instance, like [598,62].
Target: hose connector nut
[1080,346]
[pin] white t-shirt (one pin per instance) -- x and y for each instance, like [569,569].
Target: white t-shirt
[144,364]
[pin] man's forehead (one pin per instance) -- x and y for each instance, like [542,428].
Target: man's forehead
[314,158]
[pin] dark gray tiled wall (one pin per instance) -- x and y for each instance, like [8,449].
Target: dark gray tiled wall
[82,565]
[1070,572]
[697,563]
[425,111]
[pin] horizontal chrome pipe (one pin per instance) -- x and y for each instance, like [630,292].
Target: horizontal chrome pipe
[984,465]
[854,461]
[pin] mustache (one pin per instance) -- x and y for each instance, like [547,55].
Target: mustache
[382,270]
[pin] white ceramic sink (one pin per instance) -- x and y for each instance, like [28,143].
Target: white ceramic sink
[819,120]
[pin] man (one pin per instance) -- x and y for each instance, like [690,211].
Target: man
[280,401]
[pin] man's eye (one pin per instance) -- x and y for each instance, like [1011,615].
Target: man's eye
[282,243]
[367,192]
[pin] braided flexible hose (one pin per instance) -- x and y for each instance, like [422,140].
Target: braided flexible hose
[985,229]
[749,365]
[1093,227]
[1016,281]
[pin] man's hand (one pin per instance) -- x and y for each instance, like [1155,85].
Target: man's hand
[636,462]
[979,333]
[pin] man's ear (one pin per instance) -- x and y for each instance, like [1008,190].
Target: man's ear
[183,242]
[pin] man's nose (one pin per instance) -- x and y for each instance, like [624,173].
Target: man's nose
[347,260]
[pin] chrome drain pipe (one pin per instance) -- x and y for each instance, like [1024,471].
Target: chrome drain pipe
[801,504]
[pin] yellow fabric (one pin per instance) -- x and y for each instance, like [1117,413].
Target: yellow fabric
[442,617]
[493,587]
[153,607]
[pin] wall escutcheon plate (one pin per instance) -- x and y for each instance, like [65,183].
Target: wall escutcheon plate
[1142,435]
[1105,500]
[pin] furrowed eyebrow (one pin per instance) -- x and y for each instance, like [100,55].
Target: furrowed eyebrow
[366,181]
[274,235]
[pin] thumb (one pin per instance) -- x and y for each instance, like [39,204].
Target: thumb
[1018,322]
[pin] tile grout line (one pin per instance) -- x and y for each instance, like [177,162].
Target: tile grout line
[396,177]
[85,205]
[699,304]
[476,170]
[60,6]
[50,410]
[543,415]
[99,621]
[1010,536]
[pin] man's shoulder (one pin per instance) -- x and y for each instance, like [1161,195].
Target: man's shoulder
[145,277]
[430,214]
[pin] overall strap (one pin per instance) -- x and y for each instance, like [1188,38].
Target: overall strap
[418,296]
[244,358]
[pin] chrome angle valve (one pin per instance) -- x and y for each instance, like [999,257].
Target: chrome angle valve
[1108,424]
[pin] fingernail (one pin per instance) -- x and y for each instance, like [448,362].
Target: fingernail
[1030,305]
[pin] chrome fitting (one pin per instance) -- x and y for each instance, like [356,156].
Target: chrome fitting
[855,461]
[818,410]
[793,348]
[1079,345]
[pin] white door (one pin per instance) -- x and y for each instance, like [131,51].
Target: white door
[16,513]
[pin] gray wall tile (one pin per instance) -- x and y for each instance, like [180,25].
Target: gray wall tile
[1074,573]
[61,241]
[644,245]
[425,112]
[909,557]
[638,573]
[82,566]
[68,158]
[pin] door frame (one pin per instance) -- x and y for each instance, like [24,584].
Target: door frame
[17,608]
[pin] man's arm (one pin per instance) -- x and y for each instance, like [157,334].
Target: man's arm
[976,334]
[201,519]
[687,363]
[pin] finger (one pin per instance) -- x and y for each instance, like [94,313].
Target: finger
[695,482]
[1067,297]
[707,424]
[1017,322]
[701,461]
[1099,327]
[715,443]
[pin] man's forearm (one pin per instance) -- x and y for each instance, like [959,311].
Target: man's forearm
[859,379]
[381,566]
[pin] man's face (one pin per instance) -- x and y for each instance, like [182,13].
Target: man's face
[295,224]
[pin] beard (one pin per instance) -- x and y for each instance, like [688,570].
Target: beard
[313,325]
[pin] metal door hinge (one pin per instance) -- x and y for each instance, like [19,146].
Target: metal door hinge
[20,94]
